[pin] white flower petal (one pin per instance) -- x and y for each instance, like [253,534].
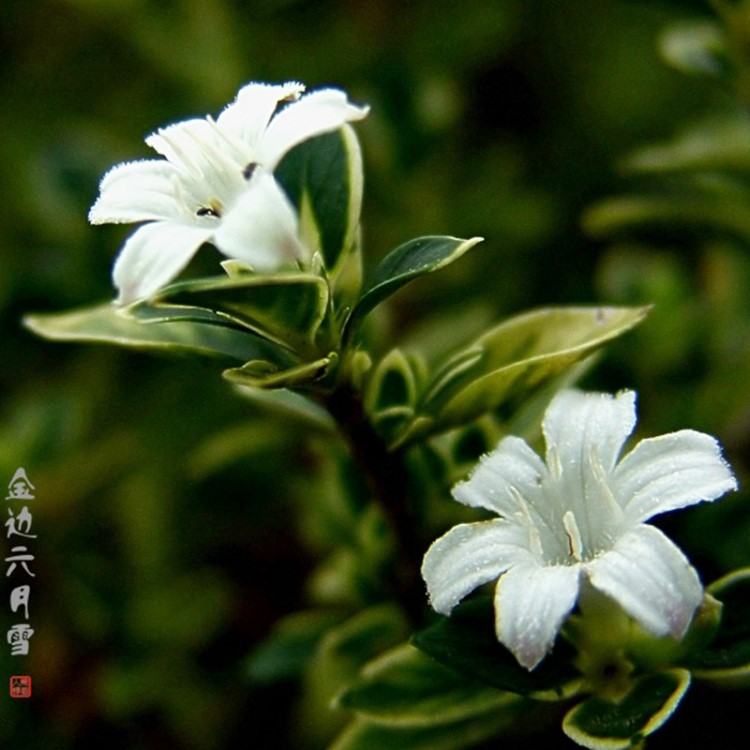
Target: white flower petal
[316,113]
[512,469]
[647,574]
[137,191]
[209,159]
[152,256]
[248,115]
[469,555]
[669,472]
[260,228]
[182,145]
[531,603]
[578,425]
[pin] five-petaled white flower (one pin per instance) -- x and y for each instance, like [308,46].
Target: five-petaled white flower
[216,184]
[579,515]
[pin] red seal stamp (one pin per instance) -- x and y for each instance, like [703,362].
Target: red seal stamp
[20,686]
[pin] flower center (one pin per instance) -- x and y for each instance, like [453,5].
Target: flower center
[212,209]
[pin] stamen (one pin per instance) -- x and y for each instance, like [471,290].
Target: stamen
[249,170]
[553,462]
[212,210]
[524,512]
[612,507]
[522,506]
[535,541]
[575,544]
[292,96]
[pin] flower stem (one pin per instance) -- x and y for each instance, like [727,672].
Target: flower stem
[390,483]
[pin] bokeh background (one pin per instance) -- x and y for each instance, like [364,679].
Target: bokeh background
[167,505]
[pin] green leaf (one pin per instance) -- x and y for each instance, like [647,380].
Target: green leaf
[338,579]
[287,309]
[109,324]
[698,47]
[605,725]
[649,652]
[720,209]
[404,687]
[712,158]
[721,143]
[726,659]
[392,382]
[288,405]
[404,264]
[148,313]
[390,391]
[264,374]
[366,634]
[291,645]
[466,643]
[339,656]
[469,443]
[512,361]
[323,178]
[365,735]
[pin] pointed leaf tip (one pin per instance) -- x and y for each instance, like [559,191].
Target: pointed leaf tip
[407,262]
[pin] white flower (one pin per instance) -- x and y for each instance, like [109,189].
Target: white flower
[215,184]
[578,515]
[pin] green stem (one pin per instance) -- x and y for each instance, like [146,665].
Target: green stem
[390,483]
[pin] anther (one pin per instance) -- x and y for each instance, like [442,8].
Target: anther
[249,170]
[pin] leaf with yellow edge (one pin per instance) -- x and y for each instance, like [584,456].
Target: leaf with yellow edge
[506,365]
[200,332]
[600,724]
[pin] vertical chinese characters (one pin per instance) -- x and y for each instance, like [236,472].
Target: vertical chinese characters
[19,561]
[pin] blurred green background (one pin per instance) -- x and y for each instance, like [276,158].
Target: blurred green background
[165,503]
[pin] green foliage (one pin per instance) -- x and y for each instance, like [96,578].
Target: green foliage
[363,735]
[407,262]
[404,687]
[265,374]
[179,526]
[323,177]
[390,392]
[339,656]
[290,648]
[698,47]
[288,310]
[466,642]
[191,330]
[507,364]
[404,699]
[726,658]
[616,725]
